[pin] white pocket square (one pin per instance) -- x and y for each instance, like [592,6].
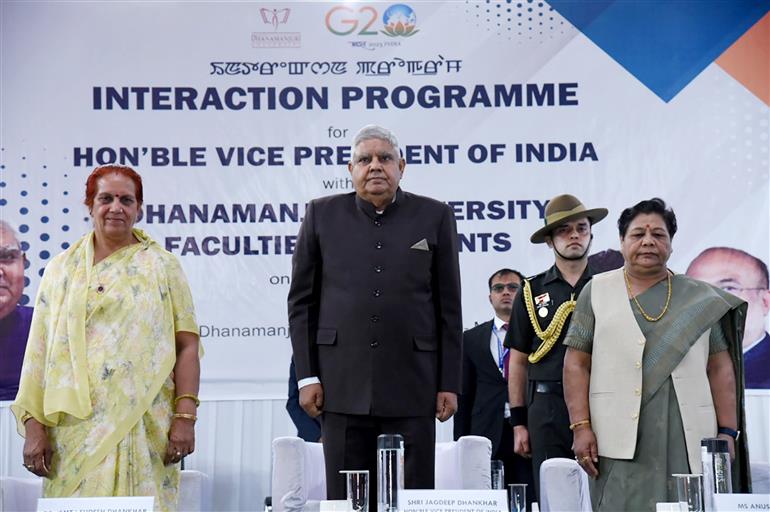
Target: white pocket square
[422,245]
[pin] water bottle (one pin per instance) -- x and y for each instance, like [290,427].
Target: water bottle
[717,471]
[390,471]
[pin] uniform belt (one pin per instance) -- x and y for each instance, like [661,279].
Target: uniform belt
[548,386]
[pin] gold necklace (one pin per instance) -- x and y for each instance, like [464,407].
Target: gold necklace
[641,310]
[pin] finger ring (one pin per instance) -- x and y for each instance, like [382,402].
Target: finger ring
[583,459]
[178,454]
[30,467]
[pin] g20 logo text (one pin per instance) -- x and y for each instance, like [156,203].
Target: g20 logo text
[398,20]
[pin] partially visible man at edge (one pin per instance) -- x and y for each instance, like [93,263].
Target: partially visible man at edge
[15,319]
[375,316]
[539,322]
[746,277]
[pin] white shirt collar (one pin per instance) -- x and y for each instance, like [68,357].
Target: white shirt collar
[499,322]
[755,343]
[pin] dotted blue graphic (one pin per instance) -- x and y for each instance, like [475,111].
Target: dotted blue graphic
[37,211]
[525,20]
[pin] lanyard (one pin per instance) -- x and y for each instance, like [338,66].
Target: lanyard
[501,351]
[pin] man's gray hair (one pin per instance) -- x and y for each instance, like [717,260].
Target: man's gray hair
[8,228]
[372,131]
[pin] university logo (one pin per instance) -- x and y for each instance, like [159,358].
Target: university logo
[275,17]
[275,39]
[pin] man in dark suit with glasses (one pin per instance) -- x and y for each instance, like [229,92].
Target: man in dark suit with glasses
[483,408]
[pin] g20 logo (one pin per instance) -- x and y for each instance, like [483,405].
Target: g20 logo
[399,20]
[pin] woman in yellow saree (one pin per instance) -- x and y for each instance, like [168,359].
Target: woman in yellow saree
[109,385]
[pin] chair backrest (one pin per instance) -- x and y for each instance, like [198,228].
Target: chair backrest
[20,494]
[299,479]
[299,475]
[464,464]
[194,491]
[563,486]
[760,477]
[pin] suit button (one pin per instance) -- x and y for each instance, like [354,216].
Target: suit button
[378,245]
[377,293]
[374,344]
[638,364]
[378,268]
[374,318]
[637,391]
[635,416]
[378,223]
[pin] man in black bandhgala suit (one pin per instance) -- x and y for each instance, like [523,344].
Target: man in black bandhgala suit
[375,316]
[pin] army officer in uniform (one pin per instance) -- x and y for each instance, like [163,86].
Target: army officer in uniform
[539,322]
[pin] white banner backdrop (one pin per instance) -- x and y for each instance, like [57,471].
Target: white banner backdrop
[237,114]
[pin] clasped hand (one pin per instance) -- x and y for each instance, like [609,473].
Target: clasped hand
[181,440]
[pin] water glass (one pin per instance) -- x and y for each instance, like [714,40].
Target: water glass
[518,494]
[690,492]
[498,475]
[357,483]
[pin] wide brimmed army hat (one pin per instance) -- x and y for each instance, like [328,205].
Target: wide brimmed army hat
[564,208]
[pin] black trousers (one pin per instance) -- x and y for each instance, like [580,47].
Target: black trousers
[549,433]
[350,442]
[518,469]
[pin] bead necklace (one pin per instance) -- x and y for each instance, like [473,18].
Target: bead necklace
[641,310]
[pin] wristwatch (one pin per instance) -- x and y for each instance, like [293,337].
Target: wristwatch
[735,434]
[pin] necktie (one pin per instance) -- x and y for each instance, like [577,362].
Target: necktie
[506,353]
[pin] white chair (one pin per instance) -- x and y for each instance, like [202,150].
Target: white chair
[21,494]
[195,492]
[563,487]
[464,464]
[299,481]
[760,478]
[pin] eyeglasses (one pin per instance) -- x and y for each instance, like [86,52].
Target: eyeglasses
[735,289]
[10,254]
[498,288]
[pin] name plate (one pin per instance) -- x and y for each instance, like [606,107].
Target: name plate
[335,506]
[736,502]
[97,504]
[410,500]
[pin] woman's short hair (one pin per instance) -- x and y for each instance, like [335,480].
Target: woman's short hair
[654,205]
[104,170]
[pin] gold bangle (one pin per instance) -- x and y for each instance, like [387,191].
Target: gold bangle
[25,418]
[190,396]
[186,416]
[579,423]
